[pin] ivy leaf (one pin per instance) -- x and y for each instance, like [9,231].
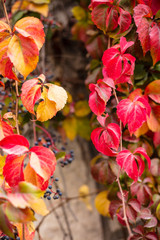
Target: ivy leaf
[54,100]
[107,16]
[142,13]
[155,43]
[133,164]
[5,129]
[30,6]
[99,96]
[13,169]
[70,126]
[117,64]
[31,92]
[28,195]
[133,112]
[102,203]
[31,27]
[43,161]
[5,225]
[106,139]
[153,91]
[23,53]
[32,177]
[20,48]
[15,144]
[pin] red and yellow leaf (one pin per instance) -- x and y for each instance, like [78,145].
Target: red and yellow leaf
[32,177]
[43,161]
[23,53]
[31,92]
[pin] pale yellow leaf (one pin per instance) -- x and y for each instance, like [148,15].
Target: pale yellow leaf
[84,196]
[58,95]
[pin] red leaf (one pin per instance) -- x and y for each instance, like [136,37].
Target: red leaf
[43,161]
[141,15]
[31,92]
[106,140]
[132,164]
[13,169]
[133,112]
[107,15]
[100,94]
[118,65]
[155,43]
[124,20]
[15,144]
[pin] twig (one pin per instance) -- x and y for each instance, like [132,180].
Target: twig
[34,130]
[5,12]
[46,132]
[59,222]
[118,180]
[23,231]
[65,200]
[17,97]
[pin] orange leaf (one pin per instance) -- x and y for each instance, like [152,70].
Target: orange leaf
[23,53]
[31,176]
[154,120]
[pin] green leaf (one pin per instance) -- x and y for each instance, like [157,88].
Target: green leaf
[5,226]
[60,155]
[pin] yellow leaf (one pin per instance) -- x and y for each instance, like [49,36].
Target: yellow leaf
[30,6]
[102,203]
[70,127]
[39,207]
[58,95]
[46,109]
[2,163]
[84,196]
[82,109]
[40,1]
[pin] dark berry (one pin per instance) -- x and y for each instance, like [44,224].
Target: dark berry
[50,186]
[48,198]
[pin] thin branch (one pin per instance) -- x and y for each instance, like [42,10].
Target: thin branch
[34,129]
[23,231]
[64,200]
[118,180]
[17,99]
[5,12]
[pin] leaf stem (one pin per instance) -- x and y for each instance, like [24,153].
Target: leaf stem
[118,179]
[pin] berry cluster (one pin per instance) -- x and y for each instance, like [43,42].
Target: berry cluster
[50,192]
